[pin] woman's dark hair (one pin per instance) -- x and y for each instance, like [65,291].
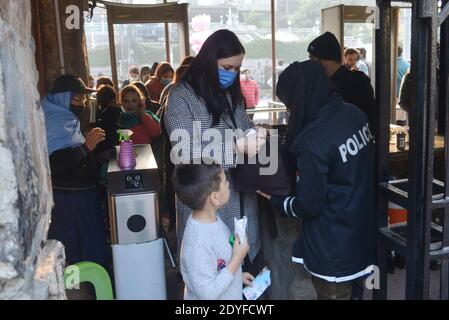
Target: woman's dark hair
[150,105]
[153,68]
[142,88]
[202,74]
[183,67]
[180,71]
[103,80]
[162,68]
[187,60]
[105,95]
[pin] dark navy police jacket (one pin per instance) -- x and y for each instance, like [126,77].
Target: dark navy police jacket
[334,194]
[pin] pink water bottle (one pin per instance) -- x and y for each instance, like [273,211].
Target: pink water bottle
[126,156]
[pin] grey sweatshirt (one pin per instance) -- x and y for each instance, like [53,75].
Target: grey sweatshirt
[203,245]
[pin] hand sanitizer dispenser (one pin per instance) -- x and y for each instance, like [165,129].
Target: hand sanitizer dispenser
[137,246]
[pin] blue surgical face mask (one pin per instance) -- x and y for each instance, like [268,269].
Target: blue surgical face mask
[166,81]
[226,78]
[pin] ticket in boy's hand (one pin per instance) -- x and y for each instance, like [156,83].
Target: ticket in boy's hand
[260,284]
[240,228]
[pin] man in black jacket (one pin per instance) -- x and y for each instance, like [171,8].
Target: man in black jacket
[353,86]
[334,195]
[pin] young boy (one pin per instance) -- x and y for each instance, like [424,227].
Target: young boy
[210,266]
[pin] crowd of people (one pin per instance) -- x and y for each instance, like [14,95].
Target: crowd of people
[329,142]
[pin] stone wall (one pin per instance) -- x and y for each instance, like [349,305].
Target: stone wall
[30,268]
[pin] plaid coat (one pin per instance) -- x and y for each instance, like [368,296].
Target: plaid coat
[185,110]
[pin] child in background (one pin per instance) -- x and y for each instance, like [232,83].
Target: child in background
[210,266]
[107,117]
[135,117]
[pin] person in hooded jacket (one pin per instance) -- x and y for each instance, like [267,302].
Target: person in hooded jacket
[333,148]
[76,220]
[163,76]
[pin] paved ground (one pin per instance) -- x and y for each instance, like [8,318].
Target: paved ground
[396,282]
[175,286]
[396,285]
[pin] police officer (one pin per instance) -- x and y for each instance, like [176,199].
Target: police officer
[353,86]
[334,194]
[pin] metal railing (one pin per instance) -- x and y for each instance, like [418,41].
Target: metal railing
[420,193]
[276,113]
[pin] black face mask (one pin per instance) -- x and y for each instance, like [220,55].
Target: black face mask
[76,109]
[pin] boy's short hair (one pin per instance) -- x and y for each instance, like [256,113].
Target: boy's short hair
[194,183]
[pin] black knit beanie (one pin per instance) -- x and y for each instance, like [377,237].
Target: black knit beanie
[326,47]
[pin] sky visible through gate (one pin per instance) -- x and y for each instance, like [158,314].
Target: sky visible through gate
[297,23]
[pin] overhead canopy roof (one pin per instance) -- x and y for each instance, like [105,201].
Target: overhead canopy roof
[140,13]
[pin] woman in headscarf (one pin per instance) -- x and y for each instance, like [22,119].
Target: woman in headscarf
[77,220]
[334,152]
[164,75]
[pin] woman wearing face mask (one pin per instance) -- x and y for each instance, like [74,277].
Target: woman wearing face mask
[77,220]
[135,117]
[164,75]
[206,96]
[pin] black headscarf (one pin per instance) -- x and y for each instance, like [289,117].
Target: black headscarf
[304,88]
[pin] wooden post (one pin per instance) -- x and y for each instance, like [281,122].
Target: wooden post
[73,41]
